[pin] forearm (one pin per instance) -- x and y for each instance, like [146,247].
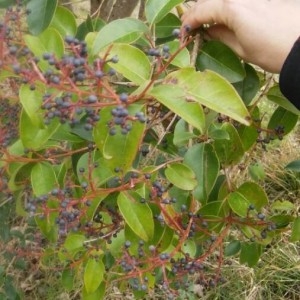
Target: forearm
[289,80]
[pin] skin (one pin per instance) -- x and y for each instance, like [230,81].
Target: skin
[261,32]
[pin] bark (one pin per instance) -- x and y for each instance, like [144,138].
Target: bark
[109,10]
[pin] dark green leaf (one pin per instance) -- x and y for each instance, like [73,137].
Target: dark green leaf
[274,94]
[202,159]
[41,14]
[67,279]
[165,27]
[283,117]
[249,86]
[156,10]
[182,134]
[181,176]
[218,57]
[229,151]
[295,236]
[138,216]
[250,254]
[293,166]
[232,248]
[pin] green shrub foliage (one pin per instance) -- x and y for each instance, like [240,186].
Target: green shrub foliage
[134,163]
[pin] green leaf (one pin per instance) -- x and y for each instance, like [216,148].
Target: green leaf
[43,178]
[182,134]
[119,150]
[274,94]
[67,279]
[249,86]
[295,236]
[257,171]
[254,194]
[33,137]
[238,203]
[156,10]
[174,98]
[93,274]
[232,248]
[50,41]
[137,215]
[97,295]
[182,59]
[285,118]
[64,22]
[133,64]
[181,176]
[250,254]
[31,102]
[41,14]
[202,159]
[74,242]
[165,27]
[7,3]
[125,30]
[229,151]
[218,57]
[282,205]
[248,136]
[293,166]
[211,90]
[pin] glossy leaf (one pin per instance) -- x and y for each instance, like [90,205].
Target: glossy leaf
[202,159]
[274,94]
[125,30]
[155,10]
[64,22]
[137,215]
[133,63]
[293,166]
[229,151]
[119,150]
[295,236]
[43,178]
[285,118]
[174,98]
[181,176]
[248,136]
[41,14]
[93,274]
[165,27]
[211,90]
[250,254]
[218,57]
[249,86]
[282,206]
[33,137]
[232,248]
[31,102]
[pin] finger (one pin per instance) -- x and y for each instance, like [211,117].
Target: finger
[226,36]
[203,12]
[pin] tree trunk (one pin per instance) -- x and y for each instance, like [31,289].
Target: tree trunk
[109,10]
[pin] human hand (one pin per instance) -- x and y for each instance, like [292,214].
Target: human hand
[261,32]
